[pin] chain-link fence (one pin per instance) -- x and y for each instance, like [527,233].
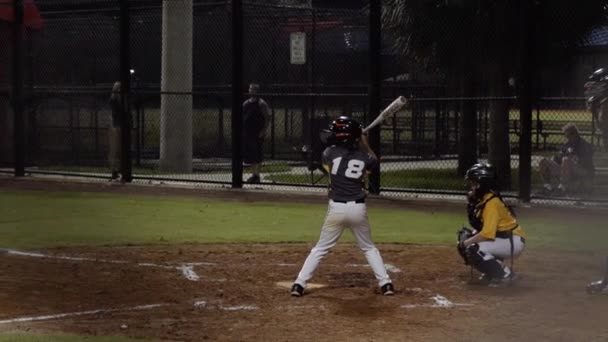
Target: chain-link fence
[312,63]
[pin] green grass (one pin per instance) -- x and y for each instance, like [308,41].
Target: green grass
[21,337]
[32,219]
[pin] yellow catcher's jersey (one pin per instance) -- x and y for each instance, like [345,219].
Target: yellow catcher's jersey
[496,217]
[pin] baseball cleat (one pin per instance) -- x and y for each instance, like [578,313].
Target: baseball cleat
[597,287]
[387,289]
[507,280]
[297,290]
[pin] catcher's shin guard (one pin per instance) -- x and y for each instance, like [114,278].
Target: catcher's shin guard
[484,263]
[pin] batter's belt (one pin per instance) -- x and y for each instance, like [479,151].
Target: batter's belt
[360,200]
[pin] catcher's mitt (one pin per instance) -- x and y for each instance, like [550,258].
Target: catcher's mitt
[463,234]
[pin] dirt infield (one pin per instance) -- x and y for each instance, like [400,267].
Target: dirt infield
[229,292]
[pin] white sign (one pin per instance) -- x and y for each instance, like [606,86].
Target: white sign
[297,42]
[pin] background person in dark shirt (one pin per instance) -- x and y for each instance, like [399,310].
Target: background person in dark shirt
[574,163]
[114,131]
[256,119]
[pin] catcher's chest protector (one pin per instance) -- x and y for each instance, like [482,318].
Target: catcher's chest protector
[474,211]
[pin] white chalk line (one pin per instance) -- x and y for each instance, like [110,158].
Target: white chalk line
[186,269]
[79,313]
[188,272]
[197,304]
[203,304]
[439,301]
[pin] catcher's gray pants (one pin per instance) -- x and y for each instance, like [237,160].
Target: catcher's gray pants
[340,216]
[501,247]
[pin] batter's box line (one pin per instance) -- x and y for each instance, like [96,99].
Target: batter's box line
[439,301]
[196,304]
[186,269]
[79,313]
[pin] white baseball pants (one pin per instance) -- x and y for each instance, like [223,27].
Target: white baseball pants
[340,216]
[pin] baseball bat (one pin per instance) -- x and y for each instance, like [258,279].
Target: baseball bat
[393,108]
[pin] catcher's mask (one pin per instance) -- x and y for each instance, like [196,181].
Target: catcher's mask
[484,175]
[596,88]
[343,131]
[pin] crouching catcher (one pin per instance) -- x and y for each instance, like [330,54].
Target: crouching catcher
[496,235]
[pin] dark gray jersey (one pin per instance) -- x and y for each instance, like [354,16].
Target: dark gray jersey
[347,169]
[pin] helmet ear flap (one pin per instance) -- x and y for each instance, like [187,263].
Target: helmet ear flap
[327,137]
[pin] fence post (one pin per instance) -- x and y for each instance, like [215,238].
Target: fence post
[18,124]
[125,90]
[375,82]
[237,88]
[525,103]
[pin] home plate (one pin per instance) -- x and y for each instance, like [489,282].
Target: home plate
[288,284]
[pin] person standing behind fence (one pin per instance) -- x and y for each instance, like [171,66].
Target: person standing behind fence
[114,131]
[256,120]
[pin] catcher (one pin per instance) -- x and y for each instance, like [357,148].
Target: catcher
[496,234]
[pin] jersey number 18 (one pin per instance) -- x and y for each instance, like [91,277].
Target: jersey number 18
[354,168]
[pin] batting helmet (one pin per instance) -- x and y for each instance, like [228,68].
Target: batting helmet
[346,131]
[484,174]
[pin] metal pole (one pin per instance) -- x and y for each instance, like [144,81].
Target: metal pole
[375,82]
[125,89]
[18,103]
[138,131]
[237,86]
[525,98]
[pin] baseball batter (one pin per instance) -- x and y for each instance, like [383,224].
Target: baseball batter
[348,161]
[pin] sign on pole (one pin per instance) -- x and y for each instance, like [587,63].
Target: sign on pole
[298,47]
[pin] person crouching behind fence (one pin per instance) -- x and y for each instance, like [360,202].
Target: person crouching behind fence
[496,235]
[114,131]
[572,166]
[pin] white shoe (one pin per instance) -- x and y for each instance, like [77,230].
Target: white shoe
[600,286]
